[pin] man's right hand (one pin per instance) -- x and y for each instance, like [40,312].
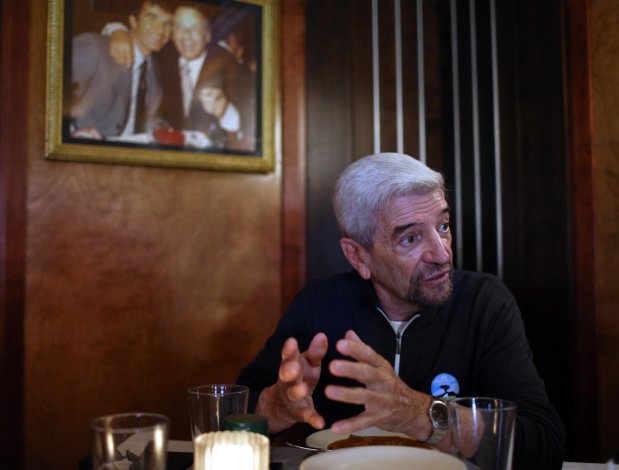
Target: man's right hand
[289,400]
[121,48]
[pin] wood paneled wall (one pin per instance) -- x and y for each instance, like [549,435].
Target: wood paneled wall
[14,18]
[583,358]
[604,48]
[139,282]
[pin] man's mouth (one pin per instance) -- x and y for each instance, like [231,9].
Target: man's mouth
[438,277]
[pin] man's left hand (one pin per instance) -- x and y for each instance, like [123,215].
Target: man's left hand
[389,403]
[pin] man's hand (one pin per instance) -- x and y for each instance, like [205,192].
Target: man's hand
[87,133]
[389,402]
[289,400]
[121,48]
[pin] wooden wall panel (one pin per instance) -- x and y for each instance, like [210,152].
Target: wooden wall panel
[536,208]
[294,148]
[13,149]
[140,282]
[331,43]
[605,85]
[583,360]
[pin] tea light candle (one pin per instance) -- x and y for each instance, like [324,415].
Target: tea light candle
[231,450]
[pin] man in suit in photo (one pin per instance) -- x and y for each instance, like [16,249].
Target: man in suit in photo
[107,99]
[192,69]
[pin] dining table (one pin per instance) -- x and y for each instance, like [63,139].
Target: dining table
[290,458]
[286,452]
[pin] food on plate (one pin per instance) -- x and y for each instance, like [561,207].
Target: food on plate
[358,441]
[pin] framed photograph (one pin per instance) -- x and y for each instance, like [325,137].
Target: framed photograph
[190,84]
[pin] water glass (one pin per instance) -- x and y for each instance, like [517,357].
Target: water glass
[482,431]
[136,441]
[210,404]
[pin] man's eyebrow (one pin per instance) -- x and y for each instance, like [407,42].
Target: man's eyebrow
[397,231]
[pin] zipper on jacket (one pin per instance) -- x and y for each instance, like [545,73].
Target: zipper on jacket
[398,338]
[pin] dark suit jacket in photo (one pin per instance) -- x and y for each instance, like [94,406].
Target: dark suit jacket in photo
[101,89]
[217,62]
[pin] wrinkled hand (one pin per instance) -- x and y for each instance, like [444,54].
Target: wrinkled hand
[289,400]
[121,48]
[389,402]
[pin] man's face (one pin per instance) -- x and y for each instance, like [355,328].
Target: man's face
[191,33]
[151,29]
[213,100]
[410,262]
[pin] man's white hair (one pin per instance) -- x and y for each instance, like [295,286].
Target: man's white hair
[366,186]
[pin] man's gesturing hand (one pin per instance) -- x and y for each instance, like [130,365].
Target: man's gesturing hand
[389,402]
[121,48]
[289,400]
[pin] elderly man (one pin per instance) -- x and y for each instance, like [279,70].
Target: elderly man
[385,344]
[107,99]
[193,66]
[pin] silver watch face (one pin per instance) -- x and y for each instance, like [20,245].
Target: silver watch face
[438,414]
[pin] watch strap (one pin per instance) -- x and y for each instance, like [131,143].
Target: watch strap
[437,412]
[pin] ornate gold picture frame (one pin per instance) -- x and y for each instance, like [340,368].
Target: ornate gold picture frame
[163,83]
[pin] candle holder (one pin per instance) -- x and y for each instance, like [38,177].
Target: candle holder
[231,450]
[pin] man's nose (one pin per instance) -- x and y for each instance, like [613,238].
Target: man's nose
[437,250]
[180,34]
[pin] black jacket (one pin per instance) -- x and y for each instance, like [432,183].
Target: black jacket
[474,345]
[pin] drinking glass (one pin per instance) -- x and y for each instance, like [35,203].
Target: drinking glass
[209,404]
[482,431]
[130,440]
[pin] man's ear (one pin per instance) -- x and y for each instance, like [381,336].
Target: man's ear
[357,256]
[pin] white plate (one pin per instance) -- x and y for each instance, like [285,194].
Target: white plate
[383,458]
[321,439]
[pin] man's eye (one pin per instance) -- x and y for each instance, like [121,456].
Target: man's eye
[444,228]
[409,240]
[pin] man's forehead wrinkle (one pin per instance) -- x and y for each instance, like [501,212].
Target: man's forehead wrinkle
[395,217]
[398,229]
[401,213]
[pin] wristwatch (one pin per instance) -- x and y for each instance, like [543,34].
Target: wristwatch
[440,423]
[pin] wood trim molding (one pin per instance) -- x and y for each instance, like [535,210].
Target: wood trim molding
[14,69]
[294,210]
[579,102]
